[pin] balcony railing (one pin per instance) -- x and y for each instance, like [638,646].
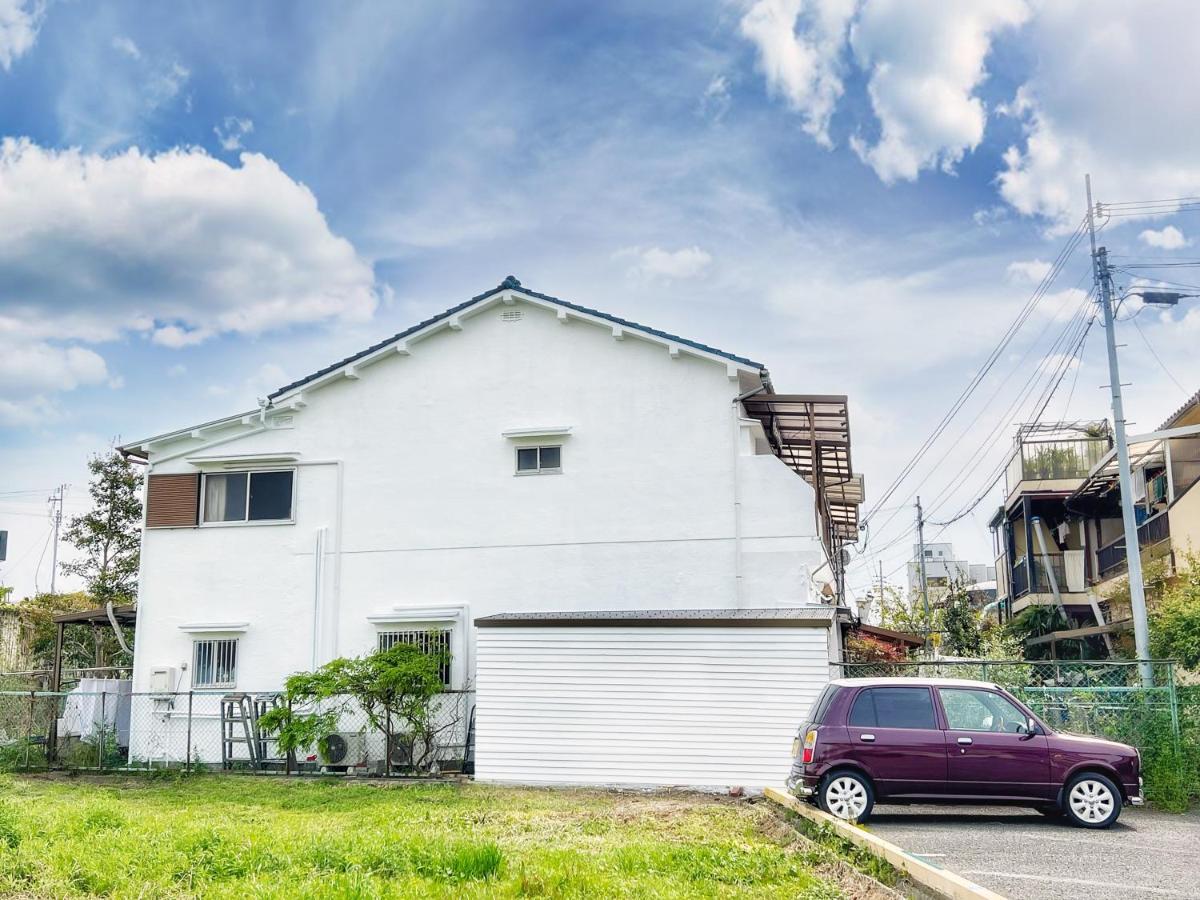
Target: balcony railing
[1111,558]
[1054,460]
[1043,565]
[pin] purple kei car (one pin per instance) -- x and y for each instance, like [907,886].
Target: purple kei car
[910,740]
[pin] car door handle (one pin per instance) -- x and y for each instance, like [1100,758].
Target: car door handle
[866,737]
[965,741]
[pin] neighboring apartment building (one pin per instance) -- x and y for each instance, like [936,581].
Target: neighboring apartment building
[942,569]
[616,508]
[1059,536]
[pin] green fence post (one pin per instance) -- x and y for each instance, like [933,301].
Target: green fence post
[29,730]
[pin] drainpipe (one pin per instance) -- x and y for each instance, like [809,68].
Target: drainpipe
[737,492]
[1036,523]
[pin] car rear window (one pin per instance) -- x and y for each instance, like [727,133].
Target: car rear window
[817,713]
[894,707]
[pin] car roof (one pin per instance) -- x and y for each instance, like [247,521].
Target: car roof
[911,682]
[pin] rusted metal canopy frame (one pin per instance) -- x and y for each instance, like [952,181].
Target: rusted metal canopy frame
[811,434]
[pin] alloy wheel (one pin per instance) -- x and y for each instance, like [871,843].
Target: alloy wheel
[846,798]
[1091,801]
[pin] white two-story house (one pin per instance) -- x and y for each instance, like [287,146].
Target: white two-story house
[580,508]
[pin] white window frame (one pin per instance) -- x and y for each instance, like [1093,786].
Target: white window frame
[452,617]
[555,470]
[215,641]
[241,523]
[424,630]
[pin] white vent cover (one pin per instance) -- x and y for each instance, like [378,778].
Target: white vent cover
[512,315]
[283,421]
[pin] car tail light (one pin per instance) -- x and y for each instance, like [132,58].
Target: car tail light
[810,746]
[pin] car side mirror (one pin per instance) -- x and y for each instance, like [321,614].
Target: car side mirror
[1028,728]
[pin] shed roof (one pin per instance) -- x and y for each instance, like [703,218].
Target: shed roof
[793,615]
[512,284]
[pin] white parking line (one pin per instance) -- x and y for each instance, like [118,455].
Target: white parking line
[1084,882]
[1107,845]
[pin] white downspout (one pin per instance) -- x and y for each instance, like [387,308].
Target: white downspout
[328,608]
[737,507]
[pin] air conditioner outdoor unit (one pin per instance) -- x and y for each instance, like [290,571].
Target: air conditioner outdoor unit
[343,748]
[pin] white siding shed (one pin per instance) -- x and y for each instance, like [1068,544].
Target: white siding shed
[700,698]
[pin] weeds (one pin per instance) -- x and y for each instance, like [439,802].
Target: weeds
[226,836]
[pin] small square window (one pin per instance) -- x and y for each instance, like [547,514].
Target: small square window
[428,640]
[527,459]
[536,460]
[214,663]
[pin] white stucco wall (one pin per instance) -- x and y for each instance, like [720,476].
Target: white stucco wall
[406,469]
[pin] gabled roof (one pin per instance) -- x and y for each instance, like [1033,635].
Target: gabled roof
[1178,414]
[512,284]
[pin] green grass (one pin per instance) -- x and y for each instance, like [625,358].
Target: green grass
[244,836]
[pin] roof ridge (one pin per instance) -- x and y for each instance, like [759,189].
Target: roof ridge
[511,283]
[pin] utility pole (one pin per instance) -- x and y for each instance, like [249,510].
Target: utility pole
[1133,550]
[881,587]
[921,568]
[56,500]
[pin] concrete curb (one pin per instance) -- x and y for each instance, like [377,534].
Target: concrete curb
[942,881]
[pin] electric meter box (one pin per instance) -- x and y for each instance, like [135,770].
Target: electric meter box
[162,680]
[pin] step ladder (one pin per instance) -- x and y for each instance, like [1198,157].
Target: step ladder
[239,725]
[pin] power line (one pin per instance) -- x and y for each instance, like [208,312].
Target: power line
[1038,293]
[1146,341]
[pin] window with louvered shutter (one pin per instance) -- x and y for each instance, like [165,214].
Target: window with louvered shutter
[172,501]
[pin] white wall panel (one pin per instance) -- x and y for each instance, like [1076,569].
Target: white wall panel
[703,706]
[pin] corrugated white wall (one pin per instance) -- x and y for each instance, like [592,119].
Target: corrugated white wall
[699,706]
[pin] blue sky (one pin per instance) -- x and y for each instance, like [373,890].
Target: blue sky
[199,202]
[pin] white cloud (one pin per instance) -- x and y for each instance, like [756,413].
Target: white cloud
[1168,238]
[925,60]
[32,372]
[124,44]
[1093,57]
[800,44]
[179,247]
[1030,271]
[19,24]
[655,262]
[231,132]
[716,100]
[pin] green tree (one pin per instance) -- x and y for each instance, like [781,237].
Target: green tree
[109,535]
[398,690]
[83,647]
[907,613]
[1175,621]
[961,622]
[1039,620]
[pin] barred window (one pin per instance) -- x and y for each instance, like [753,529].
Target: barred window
[428,640]
[214,663]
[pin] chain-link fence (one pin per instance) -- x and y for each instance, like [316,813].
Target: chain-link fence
[110,728]
[1140,704]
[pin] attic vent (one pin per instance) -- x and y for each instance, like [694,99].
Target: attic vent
[512,315]
[283,421]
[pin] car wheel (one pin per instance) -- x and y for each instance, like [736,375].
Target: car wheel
[1092,801]
[848,796]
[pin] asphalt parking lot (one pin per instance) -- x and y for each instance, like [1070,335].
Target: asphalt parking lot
[1025,856]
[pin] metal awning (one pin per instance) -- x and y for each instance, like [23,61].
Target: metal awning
[811,434]
[125,615]
[1144,450]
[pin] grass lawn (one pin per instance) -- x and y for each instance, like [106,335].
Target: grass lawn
[242,837]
